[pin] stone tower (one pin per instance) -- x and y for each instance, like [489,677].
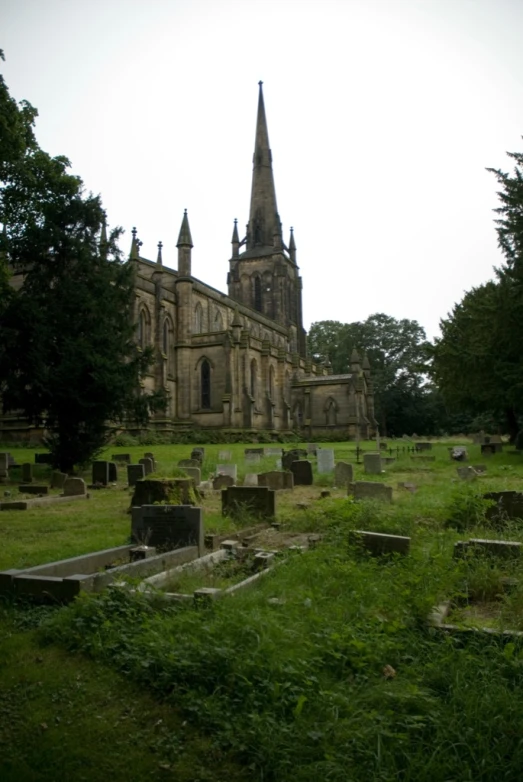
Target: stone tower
[263,273]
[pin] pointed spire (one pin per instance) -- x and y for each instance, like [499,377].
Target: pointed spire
[365,363]
[134,254]
[292,247]
[184,246]
[264,223]
[185,239]
[235,241]
[355,361]
[159,260]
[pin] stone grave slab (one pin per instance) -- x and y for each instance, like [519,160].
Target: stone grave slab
[135,472]
[253,458]
[343,474]
[74,487]
[467,473]
[256,501]
[369,490]
[228,469]
[32,488]
[276,480]
[325,458]
[378,543]
[302,472]
[168,526]
[148,465]
[372,464]
[495,548]
[100,473]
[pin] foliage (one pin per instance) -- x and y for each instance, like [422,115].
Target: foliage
[69,359]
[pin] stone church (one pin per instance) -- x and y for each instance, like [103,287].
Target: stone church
[239,360]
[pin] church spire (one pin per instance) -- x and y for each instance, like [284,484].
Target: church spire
[184,246]
[292,247]
[264,222]
[235,240]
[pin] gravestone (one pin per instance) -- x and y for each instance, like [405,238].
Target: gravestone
[228,469]
[224,456]
[467,473]
[495,548]
[279,464]
[183,463]
[148,465]
[509,505]
[223,481]
[32,488]
[372,463]
[311,449]
[101,473]
[368,490]
[122,458]
[487,449]
[272,451]
[168,526]
[150,456]
[135,472]
[378,543]
[276,480]
[197,454]
[253,458]
[325,460]
[194,473]
[43,458]
[423,446]
[4,465]
[168,491]
[249,500]
[288,457]
[113,472]
[258,451]
[459,454]
[27,472]
[251,479]
[58,479]
[302,472]
[343,474]
[74,487]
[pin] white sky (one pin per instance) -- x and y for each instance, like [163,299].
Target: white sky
[382,114]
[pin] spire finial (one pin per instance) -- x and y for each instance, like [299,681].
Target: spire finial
[185,239]
[159,260]
[135,246]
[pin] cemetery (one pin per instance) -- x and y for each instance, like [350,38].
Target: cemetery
[340,574]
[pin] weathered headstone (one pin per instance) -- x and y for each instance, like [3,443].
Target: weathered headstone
[250,501]
[101,473]
[288,457]
[509,505]
[224,456]
[253,458]
[150,456]
[325,458]
[467,473]
[343,474]
[378,543]
[228,469]
[459,454]
[74,487]
[198,454]
[194,473]
[272,451]
[135,472]
[148,465]
[122,458]
[113,472]
[276,480]
[223,481]
[372,463]
[3,465]
[251,479]
[183,463]
[168,526]
[258,451]
[311,449]
[58,479]
[302,472]
[27,472]
[487,449]
[368,490]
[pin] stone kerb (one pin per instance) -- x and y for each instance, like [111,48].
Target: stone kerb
[325,458]
[378,543]
[372,464]
[276,480]
[257,501]
[343,474]
[168,526]
[302,472]
[369,490]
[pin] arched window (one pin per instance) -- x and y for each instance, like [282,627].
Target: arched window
[254,378]
[205,384]
[271,382]
[218,321]
[198,319]
[257,294]
[165,337]
[143,328]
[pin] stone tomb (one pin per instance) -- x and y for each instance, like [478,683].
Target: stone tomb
[368,490]
[168,526]
[325,458]
[372,463]
[148,465]
[135,472]
[302,472]
[378,543]
[249,500]
[100,473]
[228,469]
[276,480]
[343,474]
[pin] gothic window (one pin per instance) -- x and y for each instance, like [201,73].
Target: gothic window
[205,378]
[143,328]
[271,382]
[165,337]
[218,321]
[198,319]
[254,379]
[168,344]
[257,294]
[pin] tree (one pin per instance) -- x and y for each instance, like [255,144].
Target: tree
[70,360]
[397,351]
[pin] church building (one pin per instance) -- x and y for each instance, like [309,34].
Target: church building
[239,360]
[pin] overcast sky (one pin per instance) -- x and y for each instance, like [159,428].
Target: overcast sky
[383,116]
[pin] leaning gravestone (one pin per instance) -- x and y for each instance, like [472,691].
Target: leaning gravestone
[302,472]
[288,457]
[148,465]
[101,473]
[251,479]
[372,463]
[325,460]
[58,479]
[113,472]
[249,500]
[223,481]
[73,487]
[343,474]
[276,480]
[150,456]
[168,526]
[228,469]
[135,472]
[368,490]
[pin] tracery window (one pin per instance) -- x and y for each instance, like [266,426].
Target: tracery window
[205,384]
